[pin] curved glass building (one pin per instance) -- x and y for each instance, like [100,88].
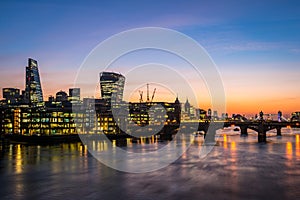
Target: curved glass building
[33,90]
[112,83]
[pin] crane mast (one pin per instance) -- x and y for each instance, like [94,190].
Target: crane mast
[153,94]
[141,96]
[148,96]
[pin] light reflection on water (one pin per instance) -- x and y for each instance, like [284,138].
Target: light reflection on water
[237,168]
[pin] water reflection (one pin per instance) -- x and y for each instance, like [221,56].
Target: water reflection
[297,146]
[83,149]
[18,159]
[21,155]
[236,167]
[225,141]
[289,150]
[233,146]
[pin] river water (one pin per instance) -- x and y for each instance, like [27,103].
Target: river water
[236,168]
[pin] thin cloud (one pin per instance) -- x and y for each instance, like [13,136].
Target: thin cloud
[230,45]
[295,50]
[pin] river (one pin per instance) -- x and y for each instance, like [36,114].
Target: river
[236,168]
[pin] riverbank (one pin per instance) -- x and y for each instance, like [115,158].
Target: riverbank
[54,139]
[35,139]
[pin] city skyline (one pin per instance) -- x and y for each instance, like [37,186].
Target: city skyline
[255,45]
[109,82]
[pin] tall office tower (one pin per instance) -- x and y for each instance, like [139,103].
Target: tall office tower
[110,83]
[33,89]
[74,94]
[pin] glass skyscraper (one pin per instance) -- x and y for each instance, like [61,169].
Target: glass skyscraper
[74,94]
[33,90]
[110,83]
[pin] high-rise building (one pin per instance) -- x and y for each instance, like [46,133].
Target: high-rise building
[112,83]
[11,95]
[33,89]
[74,95]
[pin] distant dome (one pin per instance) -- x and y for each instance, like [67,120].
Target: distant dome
[61,96]
[61,93]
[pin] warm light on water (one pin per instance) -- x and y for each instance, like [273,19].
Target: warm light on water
[236,168]
[225,141]
[233,146]
[297,146]
[289,150]
[18,159]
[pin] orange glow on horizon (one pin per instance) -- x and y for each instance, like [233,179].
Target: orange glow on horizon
[237,102]
[232,107]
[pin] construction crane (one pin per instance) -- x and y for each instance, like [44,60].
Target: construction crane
[141,96]
[148,92]
[148,96]
[153,94]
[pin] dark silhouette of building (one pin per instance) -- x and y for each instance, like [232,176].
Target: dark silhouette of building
[33,89]
[201,113]
[112,86]
[209,114]
[295,116]
[61,96]
[51,98]
[11,95]
[187,107]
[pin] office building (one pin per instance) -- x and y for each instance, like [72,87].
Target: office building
[112,86]
[74,95]
[33,89]
[11,95]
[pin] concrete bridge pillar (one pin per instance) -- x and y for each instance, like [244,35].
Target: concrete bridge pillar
[278,131]
[244,130]
[204,128]
[262,133]
[209,135]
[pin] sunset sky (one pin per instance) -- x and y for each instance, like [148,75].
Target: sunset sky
[254,44]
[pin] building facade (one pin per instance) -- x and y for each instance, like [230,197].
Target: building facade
[74,95]
[33,88]
[11,95]
[112,87]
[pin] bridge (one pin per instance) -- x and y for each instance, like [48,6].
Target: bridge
[260,126]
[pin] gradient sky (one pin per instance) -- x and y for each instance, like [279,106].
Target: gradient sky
[255,44]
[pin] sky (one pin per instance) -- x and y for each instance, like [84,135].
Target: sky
[254,44]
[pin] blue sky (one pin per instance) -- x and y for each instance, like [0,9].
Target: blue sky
[255,44]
